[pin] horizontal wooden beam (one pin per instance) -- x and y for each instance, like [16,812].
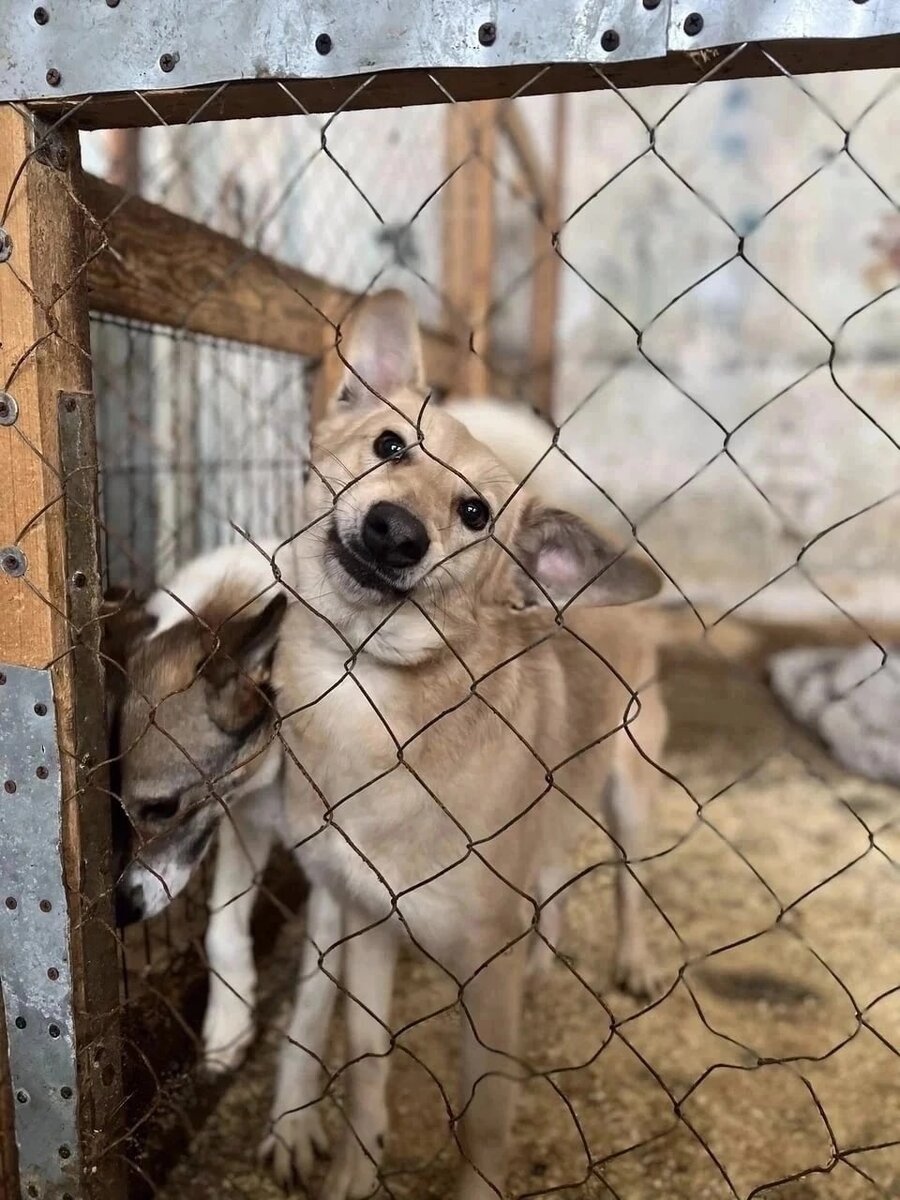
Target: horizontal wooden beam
[149,264]
[395,89]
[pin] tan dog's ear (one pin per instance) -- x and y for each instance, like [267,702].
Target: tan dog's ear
[571,561]
[383,349]
[239,667]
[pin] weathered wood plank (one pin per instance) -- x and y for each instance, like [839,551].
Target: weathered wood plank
[150,264]
[45,352]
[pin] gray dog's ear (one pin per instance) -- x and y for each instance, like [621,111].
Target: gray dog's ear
[384,350]
[569,559]
[124,621]
[239,667]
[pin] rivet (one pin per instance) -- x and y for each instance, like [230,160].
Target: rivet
[53,77]
[41,16]
[54,1031]
[693,23]
[12,903]
[12,561]
[42,772]
[79,579]
[9,786]
[22,1096]
[69,403]
[41,709]
[21,1023]
[45,906]
[610,41]
[52,974]
[651,4]
[9,410]
[66,1093]
[324,43]
[167,62]
[2,679]
[487,33]
[112,3]
[65,1152]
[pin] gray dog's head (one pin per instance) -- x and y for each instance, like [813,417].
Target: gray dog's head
[193,726]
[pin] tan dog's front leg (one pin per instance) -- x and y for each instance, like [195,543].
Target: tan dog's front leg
[370,958]
[297,1135]
[490,1074]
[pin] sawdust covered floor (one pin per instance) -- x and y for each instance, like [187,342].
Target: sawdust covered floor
[780,1050]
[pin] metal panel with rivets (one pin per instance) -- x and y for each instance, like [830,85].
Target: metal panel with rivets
[34,939]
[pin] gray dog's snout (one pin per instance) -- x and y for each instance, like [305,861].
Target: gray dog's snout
[393,536]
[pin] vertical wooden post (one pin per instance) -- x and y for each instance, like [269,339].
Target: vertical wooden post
[469,223]
[45,353]
[545,285]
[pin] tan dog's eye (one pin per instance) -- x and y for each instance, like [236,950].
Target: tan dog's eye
[473,513]
[389,445]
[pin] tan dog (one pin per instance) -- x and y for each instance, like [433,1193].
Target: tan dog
[449,754]
[444,754]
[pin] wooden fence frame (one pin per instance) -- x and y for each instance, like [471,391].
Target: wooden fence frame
[84,244]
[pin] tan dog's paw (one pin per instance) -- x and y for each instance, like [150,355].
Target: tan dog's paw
[353,1174]
[637,975]
[291,1149]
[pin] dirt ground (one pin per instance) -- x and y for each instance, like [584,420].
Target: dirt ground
[770,1066]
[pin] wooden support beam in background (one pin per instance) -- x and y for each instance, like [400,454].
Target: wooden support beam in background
[149,264]
[45,351]
[469,222]
[545,280]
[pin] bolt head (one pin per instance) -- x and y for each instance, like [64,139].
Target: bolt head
[693,23]
[324,44]
[12,561]
[487,33]
[53,77]
[651,4]
[610,41]
[41,16]
[9,410]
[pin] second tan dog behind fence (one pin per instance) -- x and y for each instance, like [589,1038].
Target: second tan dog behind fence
[451,702]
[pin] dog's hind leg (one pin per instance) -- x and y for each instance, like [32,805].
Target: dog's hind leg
[245,839]
[626,799]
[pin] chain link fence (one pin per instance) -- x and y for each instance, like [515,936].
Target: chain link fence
[713,270]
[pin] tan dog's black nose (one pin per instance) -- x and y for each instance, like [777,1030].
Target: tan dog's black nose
[393,536]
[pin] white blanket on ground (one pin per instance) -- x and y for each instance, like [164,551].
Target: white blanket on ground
[850,698]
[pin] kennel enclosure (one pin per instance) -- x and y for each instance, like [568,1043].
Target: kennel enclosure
[204,305]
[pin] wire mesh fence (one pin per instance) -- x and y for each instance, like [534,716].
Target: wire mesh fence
[449,729]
